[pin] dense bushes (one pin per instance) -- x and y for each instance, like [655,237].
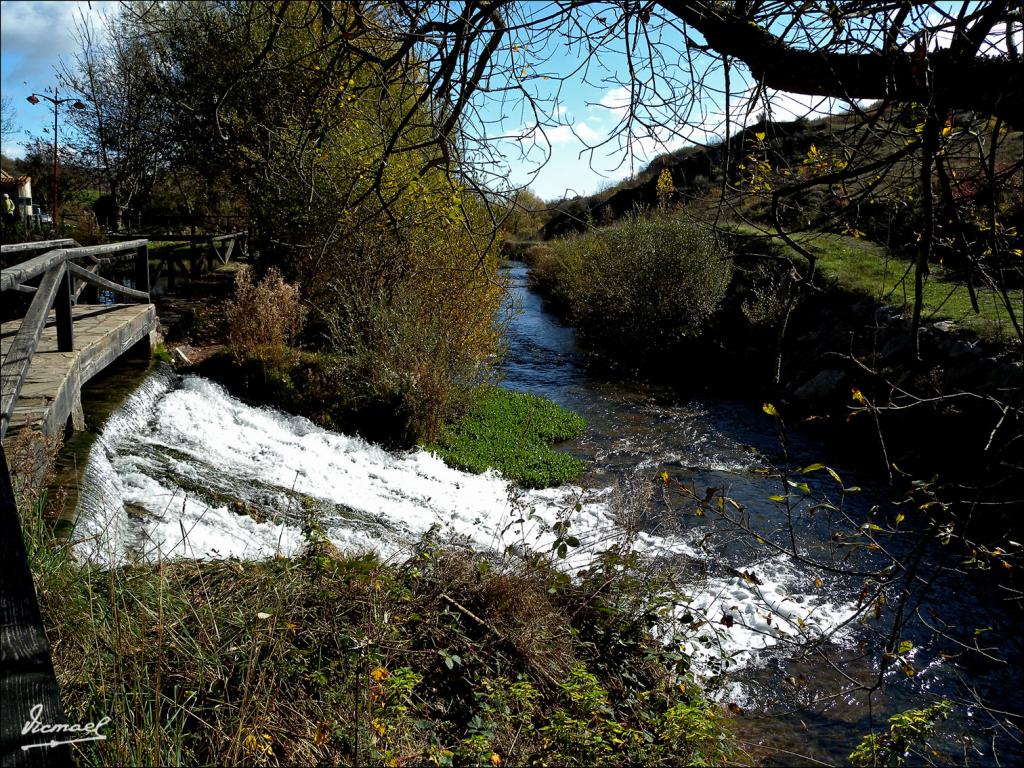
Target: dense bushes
[637,289]
[412,321]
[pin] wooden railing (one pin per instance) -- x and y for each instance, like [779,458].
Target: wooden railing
[170,260]
[62,282]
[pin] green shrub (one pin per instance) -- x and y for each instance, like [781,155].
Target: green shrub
[513,432]
[640,288]
[908,731]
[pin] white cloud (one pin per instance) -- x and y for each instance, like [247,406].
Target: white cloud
[578,133]
[616,99]
[35,35]
[588,134]
[784,106]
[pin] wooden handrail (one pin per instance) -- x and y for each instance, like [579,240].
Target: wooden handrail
[40,245]
[93,279]
[26,270]
[218,238]
[185,238]
[107,248]
[19,356]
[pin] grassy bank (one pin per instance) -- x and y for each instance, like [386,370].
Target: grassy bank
[868,269]
[513,432]
[447,658]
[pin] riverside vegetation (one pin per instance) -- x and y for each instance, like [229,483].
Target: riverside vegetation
[451,657]
[373,307]
[375,311]
[493,428]
[758,331]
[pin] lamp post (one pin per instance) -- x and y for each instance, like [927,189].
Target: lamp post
[34,99]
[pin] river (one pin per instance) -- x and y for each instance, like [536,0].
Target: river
[182,469]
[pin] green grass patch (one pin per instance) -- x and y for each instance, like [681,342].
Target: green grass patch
[513,432]
[160,353]
[866,267]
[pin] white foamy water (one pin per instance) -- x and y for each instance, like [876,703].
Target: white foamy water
[741,617]
[153,481]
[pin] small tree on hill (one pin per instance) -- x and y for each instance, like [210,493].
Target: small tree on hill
[666,189]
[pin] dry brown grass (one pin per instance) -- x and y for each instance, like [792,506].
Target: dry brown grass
[30,457]
[265,317]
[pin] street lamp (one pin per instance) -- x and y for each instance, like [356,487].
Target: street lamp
[34,99]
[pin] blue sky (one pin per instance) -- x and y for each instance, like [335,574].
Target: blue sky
[33,38]
[584,109]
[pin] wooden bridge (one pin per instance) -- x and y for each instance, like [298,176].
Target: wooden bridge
[60,343]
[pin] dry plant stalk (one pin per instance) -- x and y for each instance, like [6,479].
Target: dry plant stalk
[265,317]
[30,457]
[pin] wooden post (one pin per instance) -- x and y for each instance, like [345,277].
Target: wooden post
[28,680]
[142,268]
[193,252]
[62,303]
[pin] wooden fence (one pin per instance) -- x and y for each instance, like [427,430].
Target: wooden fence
[64,278]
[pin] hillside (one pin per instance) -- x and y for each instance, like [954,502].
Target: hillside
[978,154]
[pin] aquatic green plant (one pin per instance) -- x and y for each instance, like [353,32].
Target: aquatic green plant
[513,432]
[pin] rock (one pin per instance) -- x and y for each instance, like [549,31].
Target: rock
[822,386]
[899,345]
[179,357]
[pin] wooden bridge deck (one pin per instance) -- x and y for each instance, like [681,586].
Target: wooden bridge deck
[52,389]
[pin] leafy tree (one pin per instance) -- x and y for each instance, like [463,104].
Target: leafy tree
[120,131]
[525,214]
[332,155]
[73,177]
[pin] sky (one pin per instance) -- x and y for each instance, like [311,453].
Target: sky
[34,36]
[580,149]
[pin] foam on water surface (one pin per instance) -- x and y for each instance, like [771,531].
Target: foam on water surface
[741,616]
[173,440]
